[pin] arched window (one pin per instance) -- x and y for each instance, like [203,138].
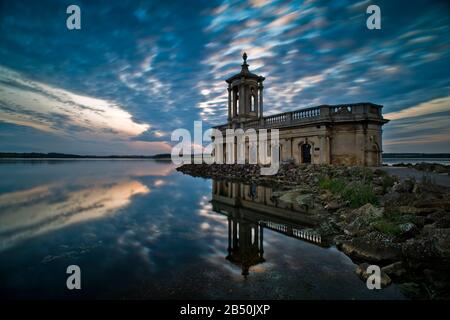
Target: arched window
[232,104]
[236,100]
[252,100]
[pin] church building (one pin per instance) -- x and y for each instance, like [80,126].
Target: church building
[345,134]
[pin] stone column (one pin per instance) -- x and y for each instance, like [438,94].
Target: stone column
[256,101]
[229,103]
[322,150]
[241,101]
[234,103]
[292,149]
[261,101]
[328,150]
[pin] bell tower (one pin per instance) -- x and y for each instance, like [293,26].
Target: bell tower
[245,95]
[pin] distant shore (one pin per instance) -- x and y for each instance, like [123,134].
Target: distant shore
[416,155]
[53,155]
[56,155]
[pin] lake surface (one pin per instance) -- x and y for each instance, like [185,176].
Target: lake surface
[141,230]
[444,161]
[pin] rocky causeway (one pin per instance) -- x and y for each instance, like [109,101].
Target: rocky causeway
[398,222]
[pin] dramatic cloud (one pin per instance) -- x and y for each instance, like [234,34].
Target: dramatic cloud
[138,70]
[421,128]
[26,102]
[426,108]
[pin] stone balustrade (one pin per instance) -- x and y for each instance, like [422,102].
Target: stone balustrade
[341,112]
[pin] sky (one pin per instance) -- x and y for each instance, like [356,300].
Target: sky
[137,70]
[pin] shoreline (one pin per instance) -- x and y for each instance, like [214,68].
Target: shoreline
[82,159]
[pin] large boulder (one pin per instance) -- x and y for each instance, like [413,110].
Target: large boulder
[291,195]
[328,228]
[370,250]
[443,221]
[367,211]
[405,186]
[306,201]
[432,243]
[407,210]
[360,220]
[441,243]
[333,205]
[412,290]
[438,281]
[408,230]
[395,269]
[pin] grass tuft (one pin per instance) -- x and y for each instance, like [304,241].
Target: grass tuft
[387,227]
[356,193]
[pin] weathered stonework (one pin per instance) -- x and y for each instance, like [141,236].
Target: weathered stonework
[348,134]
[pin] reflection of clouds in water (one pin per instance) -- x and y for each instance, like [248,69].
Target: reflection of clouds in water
[141,237]
[205,226]
[33,194]
[33,212]
[120,169]
[138,241]
[217,224]
[159,183]
[304,257]
[150,169]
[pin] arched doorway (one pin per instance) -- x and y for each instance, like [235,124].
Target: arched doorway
[306,153]
[374,156]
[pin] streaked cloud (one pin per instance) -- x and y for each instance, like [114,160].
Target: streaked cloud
[155,67]
[425,108]
[51,109]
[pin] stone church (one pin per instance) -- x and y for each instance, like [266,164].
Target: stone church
[346,134]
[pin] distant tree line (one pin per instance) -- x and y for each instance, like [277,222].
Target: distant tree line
[54,155]
[416,155]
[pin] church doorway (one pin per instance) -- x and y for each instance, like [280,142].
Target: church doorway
[306,153]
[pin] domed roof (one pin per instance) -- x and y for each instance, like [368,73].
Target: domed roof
[245,73]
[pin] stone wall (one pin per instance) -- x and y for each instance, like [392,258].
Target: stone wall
[339,135]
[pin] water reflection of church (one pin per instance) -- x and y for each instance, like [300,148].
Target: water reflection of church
[251,209]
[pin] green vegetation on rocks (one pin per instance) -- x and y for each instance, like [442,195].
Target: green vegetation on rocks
[387,227]
[395,223]
[356,193]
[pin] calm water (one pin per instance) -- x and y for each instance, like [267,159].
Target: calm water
[444,161]
[139,229]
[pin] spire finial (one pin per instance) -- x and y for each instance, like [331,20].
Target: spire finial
[244,65]
[244,56]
